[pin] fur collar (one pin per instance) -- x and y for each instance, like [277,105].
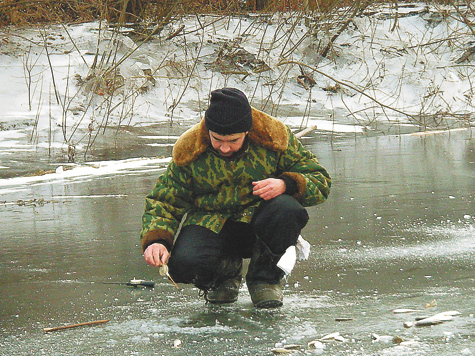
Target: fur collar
[265,131]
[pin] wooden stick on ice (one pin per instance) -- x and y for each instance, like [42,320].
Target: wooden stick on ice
[75,325]
[305,131]
[163,270]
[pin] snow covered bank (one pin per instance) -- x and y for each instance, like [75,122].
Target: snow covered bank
[389,68]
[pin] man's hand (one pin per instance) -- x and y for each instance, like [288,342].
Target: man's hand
[156,255]
[268,188]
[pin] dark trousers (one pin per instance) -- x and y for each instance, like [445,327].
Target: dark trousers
[198,253]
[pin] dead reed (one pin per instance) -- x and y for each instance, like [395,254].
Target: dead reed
[106,96]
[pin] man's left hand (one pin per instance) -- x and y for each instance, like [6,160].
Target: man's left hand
[268,188]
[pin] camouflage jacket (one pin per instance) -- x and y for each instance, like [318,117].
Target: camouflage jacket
[207,189]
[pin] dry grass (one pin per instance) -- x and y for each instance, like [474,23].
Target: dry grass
[29,12]
[106,96]
[32,12]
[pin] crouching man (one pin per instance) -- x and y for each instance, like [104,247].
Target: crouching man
[241,181]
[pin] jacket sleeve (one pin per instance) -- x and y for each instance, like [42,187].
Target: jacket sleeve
[166,205]
[312,180]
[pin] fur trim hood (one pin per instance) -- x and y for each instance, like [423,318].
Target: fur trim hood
[265,131]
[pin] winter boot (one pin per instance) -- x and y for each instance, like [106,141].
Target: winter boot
[228,278]
[266,295]
[226,292]
[263,277]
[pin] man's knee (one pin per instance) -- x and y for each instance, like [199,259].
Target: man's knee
[196,253]
[191,266]
[291,208]
[283,208]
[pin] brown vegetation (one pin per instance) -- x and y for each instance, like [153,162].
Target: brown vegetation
[106,95]
[29,12]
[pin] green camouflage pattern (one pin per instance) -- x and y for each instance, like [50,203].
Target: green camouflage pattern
[213,188]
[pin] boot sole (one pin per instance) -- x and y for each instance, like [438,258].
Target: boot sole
[269,304]
[228,301]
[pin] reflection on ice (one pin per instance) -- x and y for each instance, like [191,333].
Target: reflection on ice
[81,172]
[429,242]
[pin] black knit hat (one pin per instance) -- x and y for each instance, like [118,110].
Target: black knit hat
[229,112]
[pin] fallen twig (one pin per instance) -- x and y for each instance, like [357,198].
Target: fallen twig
[305,131]
[174,34]
[75,325]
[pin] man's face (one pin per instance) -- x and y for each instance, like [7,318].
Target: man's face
[227,145]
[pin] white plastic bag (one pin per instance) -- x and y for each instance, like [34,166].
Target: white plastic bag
[288,259]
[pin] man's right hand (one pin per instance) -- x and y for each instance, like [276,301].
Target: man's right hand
[156,255]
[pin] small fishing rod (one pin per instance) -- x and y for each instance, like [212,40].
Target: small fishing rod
[135,283]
